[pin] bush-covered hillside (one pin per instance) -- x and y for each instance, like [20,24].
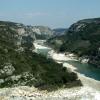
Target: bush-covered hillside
[20,66]
[82,36]
[83,39]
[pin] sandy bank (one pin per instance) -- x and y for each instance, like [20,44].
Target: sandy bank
[31,93]
[37,46]
[61,56]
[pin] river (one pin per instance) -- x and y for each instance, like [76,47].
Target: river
[87,73]
[83,68]
[86,69]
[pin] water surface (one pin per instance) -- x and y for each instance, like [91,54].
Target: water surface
[86,69]
[83,68]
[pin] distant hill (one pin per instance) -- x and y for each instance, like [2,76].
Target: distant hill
[42,32]
[59,31]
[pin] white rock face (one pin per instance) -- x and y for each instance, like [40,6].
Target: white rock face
[42,30]
[8,69]
[21,49]
[1,81]
[84,60]
[36,30]
[80,26]
[21,31]
[15,78]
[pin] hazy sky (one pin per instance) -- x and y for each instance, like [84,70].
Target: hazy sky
[53,13]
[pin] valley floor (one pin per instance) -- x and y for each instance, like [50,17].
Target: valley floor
[89,91]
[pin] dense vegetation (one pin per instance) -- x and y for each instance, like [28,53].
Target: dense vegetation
[20,66]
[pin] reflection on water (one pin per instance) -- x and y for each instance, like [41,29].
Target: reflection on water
[86,69]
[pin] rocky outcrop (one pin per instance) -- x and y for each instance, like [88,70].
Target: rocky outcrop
[43,32]
[7,70]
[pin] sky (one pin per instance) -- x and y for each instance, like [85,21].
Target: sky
[52,13]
